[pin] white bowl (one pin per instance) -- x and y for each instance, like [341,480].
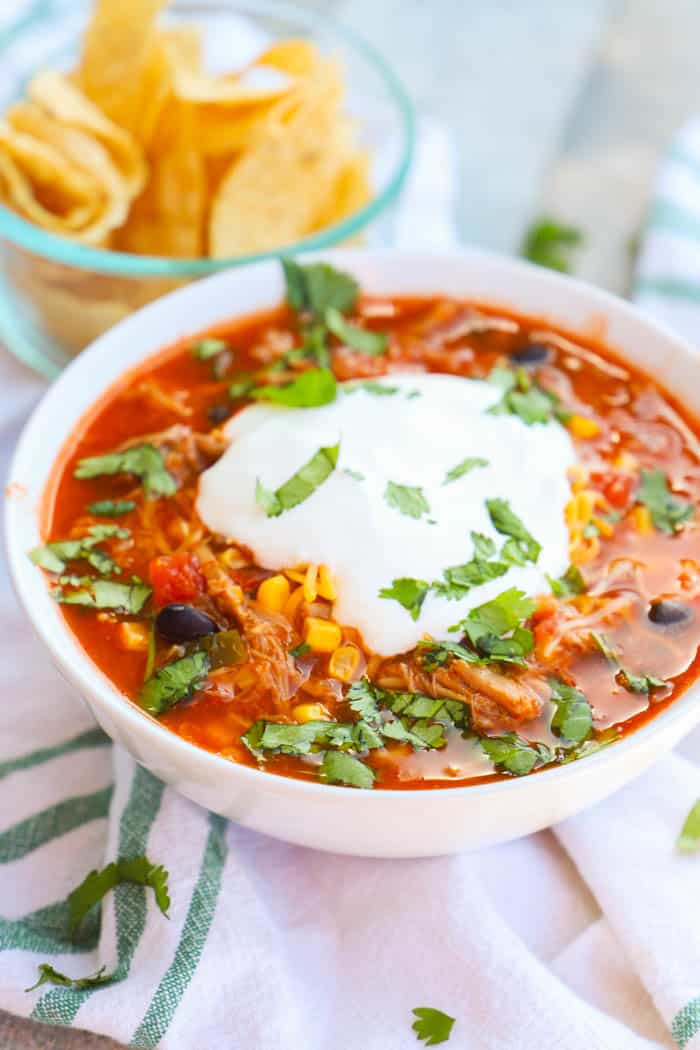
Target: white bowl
[375,823]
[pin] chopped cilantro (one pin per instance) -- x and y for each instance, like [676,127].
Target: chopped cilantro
[362,698]
[668,513]
[49,975]
[297,651]
[319,287]
[432,1025]
[205,349]
[511,754]
[526,398]
[370,386]
[111,508]
[633,683]
[314,387]
[362,339]
[300,486]
[340,768]
[103,594]
[408,592]
[507,522]
[173,682]
[495,628]
[689,839]
[437,654]
[125,869]
[241,387]
[144,461]
[355,474]
[551,243]
[470,463]
[407,499]
[568,585]
[572,719]
[53,556]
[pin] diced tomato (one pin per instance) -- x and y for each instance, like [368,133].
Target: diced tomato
[175,578]
[615,487]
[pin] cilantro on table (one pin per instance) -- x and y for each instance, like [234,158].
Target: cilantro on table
[54,556]
[551,243]
[432,1026]
[206,349]
[688,840]
[506,521]
[340,768]
[495,629]
[634,683]
[407,499]
[173,682]
[300,486]
[98,883]
[408,592]
[317,288]
[111,508]
[143,461]
[668,513]
[573,718]
[511,754]
[103,594]
[466,465]
[568,585]
[310,389]
[364,340]
[524,397]
[49,975]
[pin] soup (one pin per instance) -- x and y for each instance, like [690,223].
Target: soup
[383,542]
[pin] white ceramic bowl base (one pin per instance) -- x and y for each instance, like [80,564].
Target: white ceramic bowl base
[371,823]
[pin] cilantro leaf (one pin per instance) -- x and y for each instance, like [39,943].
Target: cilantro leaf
[459,579]
[363,339]
[98,883]
[319,287]
[422,707]
[297,651]
[633,683]
[551,243]
[310,389]
[568,585]
[506,521]
[241,387]
[573,718]
[420,734]
[340,768]
[143,461]
[355,474]
[495,628]
[49,975]
[689,839]
[205,349]
[408,592]
[362,698]
[300,486]
[437,654]
[173,682]
[432,1025]
[466,465]
[511,754]
[668,513]
[370,386]
[104,594]
[53,556]
[526,398]
[407,499]
[111,508]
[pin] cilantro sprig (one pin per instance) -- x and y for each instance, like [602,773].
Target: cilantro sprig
[302,484]
[143,461]
[173,682]
[103,594]
[432,1026]
[495,629]
[511,754]
[524,397]
[573,718]
[364,340]
[464,467]
[310,389]
[98,883]
[54,556]
[49,975]
[407,499]
[408,592]
[668,512]
[643,684]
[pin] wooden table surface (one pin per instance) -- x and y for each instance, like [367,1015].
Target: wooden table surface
[554,108]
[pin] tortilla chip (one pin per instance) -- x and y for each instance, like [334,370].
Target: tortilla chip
[183,45]
[297,57]
[350,192]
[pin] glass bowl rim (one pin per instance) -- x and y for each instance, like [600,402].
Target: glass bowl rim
[60,249]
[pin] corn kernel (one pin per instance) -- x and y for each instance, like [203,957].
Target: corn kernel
[133,636]
[310,588]
[642,520]
[298,574]
[344,662]
[232,558]
[273,593]
[326,586]
[322,635]
[291,608]
[310,713]
[579,509]
[583,427]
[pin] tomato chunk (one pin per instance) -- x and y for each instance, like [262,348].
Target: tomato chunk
[617,488]
[175,578]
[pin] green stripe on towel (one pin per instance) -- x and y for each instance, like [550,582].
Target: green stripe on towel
[669,216]
[51,823]
[45,931]
[60,1005]
[91,738]
[671,287]
[686,1023]
[193,937]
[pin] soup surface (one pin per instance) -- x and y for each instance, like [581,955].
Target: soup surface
[385,543]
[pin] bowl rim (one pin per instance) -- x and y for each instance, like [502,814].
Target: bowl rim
[92,682]
[57,248]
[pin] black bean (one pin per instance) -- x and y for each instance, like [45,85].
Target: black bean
[218,414]
[666,613]
[183,623]
[533,354]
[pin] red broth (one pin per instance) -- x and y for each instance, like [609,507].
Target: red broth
[622,424]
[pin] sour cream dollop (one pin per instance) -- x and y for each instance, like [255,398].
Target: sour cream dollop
[412,437]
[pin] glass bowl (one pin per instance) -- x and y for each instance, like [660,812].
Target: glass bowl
[56,296]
